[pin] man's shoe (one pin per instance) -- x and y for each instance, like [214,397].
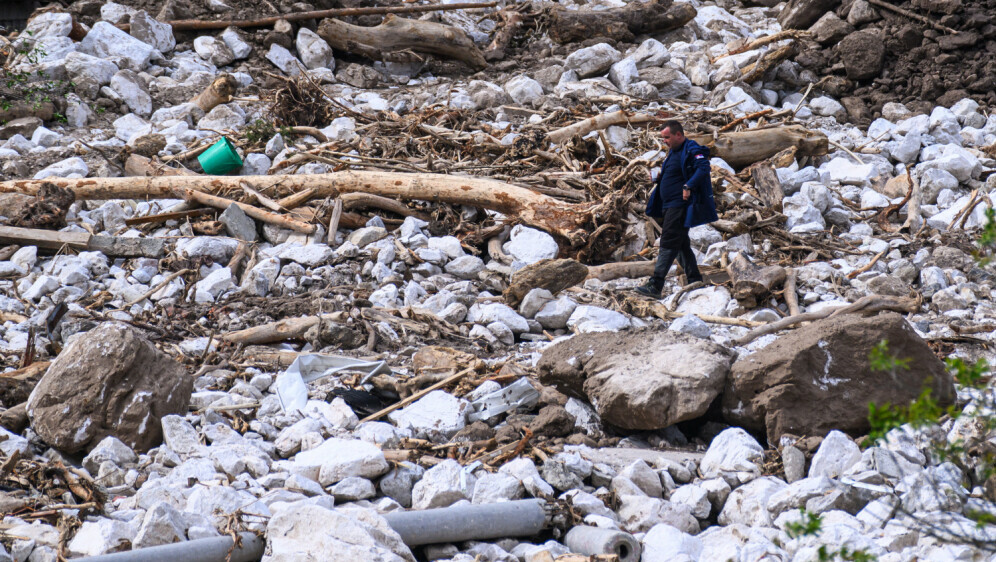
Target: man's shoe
[649,290]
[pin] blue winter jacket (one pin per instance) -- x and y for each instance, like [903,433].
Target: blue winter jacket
[695,168]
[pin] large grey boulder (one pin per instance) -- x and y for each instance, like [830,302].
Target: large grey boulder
[642,380]
[818,378]
[110,381]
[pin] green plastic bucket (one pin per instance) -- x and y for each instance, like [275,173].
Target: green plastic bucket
[220,159]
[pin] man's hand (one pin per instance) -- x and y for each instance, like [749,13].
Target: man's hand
[686,193]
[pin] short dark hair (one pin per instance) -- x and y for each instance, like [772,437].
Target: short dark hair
[674,126]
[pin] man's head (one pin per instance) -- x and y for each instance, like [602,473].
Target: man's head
[673,134]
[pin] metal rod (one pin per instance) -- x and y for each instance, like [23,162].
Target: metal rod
[188,25]
[595,541]
[522,518]
[214,549]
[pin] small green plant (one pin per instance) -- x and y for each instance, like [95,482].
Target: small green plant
[987,239]
[30,86]
[259,131]
[811,525]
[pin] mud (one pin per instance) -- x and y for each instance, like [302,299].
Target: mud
[922,67]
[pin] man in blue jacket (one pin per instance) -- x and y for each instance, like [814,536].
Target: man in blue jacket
[682,199]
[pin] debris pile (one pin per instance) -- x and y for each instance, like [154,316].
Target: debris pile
[401,326]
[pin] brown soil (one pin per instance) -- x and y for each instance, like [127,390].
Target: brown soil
[922,67]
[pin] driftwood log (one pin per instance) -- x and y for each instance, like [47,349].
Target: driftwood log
[767,185]
[396,39]
[287,329]
[598,122]
[552,275]
[741,149]
[138,165]
[199,24]
[218,92]
[752,283]
[566,220]
[621,24]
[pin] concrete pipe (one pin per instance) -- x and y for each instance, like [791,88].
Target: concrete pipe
[594,541]
[522,518]
[214,549]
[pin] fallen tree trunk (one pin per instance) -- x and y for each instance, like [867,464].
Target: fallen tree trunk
[621,24]
[741,149]
[389,40]
[629,269]
[582,128]
[752,283]
[567,220]
[190,25]
[552,275]
[110,245]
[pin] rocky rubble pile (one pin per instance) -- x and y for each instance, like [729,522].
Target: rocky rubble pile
[701,444]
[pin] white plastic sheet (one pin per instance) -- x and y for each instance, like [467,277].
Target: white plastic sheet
[292,384]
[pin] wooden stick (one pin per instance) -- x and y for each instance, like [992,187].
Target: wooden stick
[263,200]
[733,124]
[419,394]
[334,221]
[789,292]
[766,40]
[169,279]
[189,25]
[868,265]
[869,303]
[295,200]
[663,313]
[254,212]
[917,17]
[286,329]
[586,126]
[966,209]
[163,217]
[847,150]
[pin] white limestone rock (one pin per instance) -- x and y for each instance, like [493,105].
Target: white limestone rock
[443,485]
[530,245]
[314,51]
[733,450]
[106,41]
[436,416]
[336,459]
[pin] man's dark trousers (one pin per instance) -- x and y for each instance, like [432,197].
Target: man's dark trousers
[675,244]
